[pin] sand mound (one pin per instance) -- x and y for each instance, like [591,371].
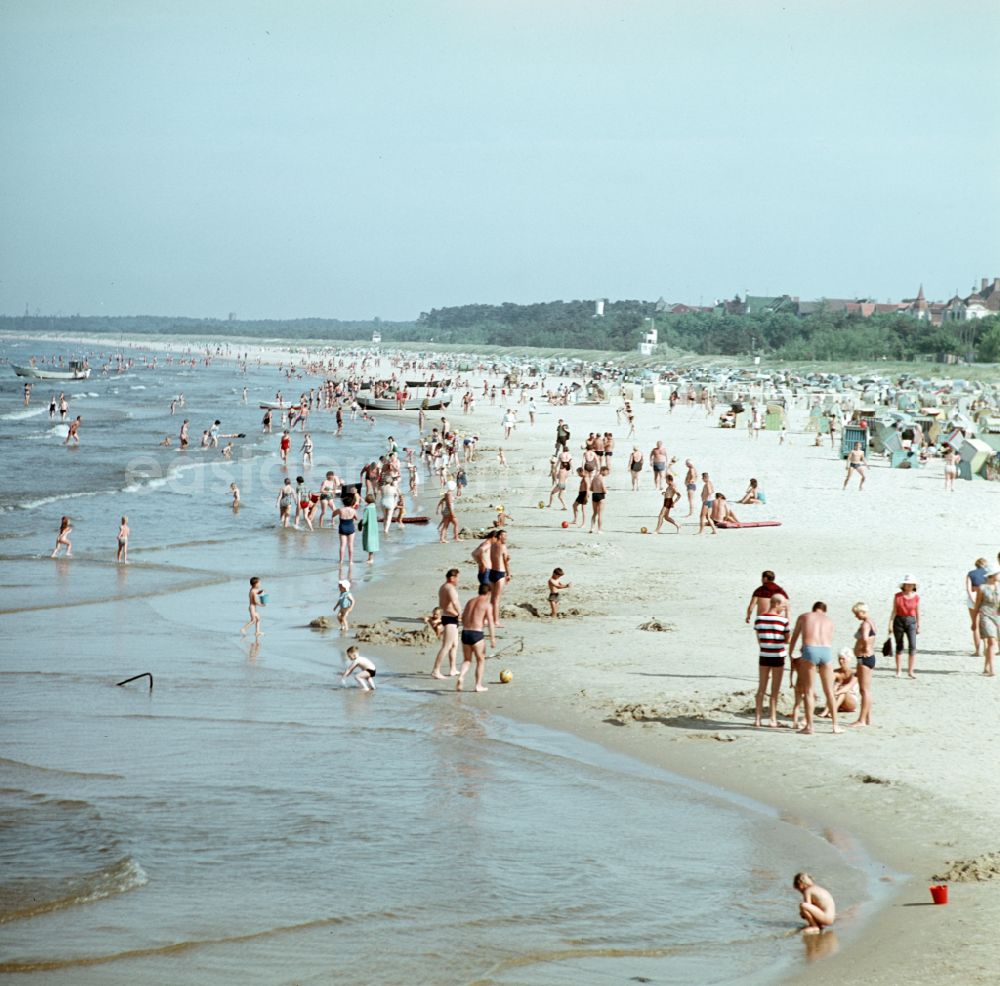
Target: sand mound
[530,609]
[383,632]
[323,623]
[985,867]
[739,704]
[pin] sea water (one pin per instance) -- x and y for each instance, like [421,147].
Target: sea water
[246,818]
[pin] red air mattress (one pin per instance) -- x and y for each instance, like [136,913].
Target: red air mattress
[726,525]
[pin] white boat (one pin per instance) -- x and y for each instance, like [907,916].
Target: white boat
[278,406]
[77,371]
[410,404]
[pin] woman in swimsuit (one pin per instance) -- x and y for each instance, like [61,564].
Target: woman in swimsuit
[635,461]
[864,651]
[286,502]
[845,687]
[950,469]
[752,494]
[123,533]
[987,613]
[347,527]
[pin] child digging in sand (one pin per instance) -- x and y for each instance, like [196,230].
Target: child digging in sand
[817,908]
[363,669]
[555,586]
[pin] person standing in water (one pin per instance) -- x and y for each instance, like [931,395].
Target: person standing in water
[123,533]
[369,528]
[254,602]
[62,538]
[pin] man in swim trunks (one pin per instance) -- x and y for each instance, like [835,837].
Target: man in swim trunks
[448,601]
[815,630]
[499,571]
[856,464]
[658,460]
[478,613]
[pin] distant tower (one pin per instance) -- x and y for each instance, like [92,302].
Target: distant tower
[599,308]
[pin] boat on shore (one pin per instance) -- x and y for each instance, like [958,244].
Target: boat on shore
[77,370]
[278,406]
[435,403]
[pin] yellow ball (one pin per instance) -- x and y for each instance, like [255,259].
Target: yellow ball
[541,504]
[506,676]
[643,530]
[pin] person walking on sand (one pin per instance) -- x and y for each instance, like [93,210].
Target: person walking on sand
[580,503]
[555,587]
[450,612]
[904,620]
[559,483]
[973,580]
[658,461]
[255,603]
[446,508]
[856,464]
[499,572]
[344,604]
[864,653]
[670,497]
[598,491]
[815,630]
[771,627]
[362,668]
[62,538]
[817,908]
[123,532]
[951,460]
[477,615]
[707,503]
[635,462]
[369,529]
[987,615]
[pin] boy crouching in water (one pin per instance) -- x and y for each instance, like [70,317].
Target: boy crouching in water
[363,668]
[817,908]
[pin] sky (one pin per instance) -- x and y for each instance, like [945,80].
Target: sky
[349,159]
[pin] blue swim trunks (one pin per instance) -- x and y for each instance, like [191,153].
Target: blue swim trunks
[815,654]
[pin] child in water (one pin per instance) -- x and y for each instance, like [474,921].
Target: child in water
[62,538]
[817,908]
[363,668]
[255,602]
[344,604]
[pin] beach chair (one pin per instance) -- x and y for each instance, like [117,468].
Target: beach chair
[853,433]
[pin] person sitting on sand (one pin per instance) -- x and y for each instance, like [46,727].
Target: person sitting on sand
[817,909]
[722,513]
[433,621]
[362,668]
[845,685]
[753,494]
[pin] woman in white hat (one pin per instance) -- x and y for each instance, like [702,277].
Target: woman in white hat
[987,613]
[905,622]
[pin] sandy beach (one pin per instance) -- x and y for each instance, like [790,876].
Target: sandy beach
[916,787]
[653,657]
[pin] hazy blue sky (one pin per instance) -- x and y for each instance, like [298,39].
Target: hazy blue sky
[352,159]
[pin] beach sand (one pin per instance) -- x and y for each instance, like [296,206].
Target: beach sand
[917,787]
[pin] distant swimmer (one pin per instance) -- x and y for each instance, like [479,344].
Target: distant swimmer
[235,491]
[362,668]
[183,436]
[817,909]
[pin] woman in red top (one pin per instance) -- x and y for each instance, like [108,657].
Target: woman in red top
[905,622]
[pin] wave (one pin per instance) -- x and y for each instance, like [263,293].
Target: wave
[120,877]
[20,415]
[21,765]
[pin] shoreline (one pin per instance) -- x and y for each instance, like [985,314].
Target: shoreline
[916,824]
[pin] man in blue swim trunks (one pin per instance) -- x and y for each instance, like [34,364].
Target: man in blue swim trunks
[815,630]
[478,613]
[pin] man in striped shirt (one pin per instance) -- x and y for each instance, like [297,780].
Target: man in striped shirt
[771,627]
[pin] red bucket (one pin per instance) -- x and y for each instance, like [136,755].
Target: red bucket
[939,894]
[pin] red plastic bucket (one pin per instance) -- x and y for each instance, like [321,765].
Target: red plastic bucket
[939,894]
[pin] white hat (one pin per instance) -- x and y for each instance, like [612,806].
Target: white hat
[344,584]
[908,580]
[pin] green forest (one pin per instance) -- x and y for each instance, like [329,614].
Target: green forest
[572,325]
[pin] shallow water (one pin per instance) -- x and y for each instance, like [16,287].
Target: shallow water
[248,818]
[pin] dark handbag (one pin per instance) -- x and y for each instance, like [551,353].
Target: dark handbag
[887,647]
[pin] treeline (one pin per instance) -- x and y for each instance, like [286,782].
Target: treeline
[830,336]
[564,324]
